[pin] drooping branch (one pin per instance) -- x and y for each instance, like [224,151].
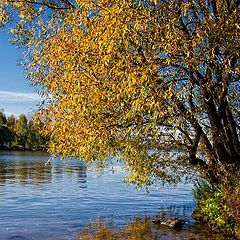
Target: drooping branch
[69,3]
[46,4]
[186,134]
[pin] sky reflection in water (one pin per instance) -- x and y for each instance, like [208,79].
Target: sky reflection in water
[54,202]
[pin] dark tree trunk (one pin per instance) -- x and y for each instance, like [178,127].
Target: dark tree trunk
[224,134]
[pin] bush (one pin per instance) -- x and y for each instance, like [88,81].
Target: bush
[219,206]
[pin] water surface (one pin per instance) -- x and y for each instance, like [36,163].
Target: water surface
[55,202]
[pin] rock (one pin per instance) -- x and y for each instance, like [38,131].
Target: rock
[173,222]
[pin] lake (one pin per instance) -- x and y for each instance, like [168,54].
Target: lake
[57,201]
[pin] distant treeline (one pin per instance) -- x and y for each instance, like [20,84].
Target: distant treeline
[20,133]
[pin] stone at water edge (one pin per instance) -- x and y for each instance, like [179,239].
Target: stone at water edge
[173,222]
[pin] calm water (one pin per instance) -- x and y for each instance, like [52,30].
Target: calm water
[56,201]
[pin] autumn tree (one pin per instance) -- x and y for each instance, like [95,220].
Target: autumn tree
[155,83]
[137,79]
[152,83]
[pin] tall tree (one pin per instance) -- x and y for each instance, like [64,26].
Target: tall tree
[137,79]
[21,130]
[3,119]
[35,140]
[11,120]
[6,136]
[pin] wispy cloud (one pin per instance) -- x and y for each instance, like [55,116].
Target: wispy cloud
[17,97]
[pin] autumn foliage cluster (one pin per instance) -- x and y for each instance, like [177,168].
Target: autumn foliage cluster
[136,79]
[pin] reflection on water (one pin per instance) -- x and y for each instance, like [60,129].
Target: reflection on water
[19,167]
[57,201]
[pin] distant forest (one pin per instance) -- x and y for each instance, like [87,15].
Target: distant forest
[20,133]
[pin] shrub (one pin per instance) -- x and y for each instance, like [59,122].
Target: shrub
[219,206]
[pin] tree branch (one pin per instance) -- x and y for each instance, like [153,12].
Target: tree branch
[44,3]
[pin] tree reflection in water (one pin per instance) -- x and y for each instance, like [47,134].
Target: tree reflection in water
[34,172]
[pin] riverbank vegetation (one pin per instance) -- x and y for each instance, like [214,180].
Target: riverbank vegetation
[139,229]
[21,133]
[144,229]
[219,206]
[136,79]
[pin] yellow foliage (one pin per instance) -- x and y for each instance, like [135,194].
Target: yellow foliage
[130,78]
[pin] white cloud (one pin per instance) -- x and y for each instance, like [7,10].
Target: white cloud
[18,97]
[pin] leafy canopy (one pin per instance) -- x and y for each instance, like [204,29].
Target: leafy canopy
[155,83]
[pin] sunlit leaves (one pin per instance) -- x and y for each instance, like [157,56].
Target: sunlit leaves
[124,78]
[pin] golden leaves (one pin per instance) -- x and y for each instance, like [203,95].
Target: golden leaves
[117,72]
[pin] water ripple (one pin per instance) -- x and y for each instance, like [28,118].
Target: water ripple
[54,202]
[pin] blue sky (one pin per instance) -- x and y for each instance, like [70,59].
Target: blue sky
[16,94]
